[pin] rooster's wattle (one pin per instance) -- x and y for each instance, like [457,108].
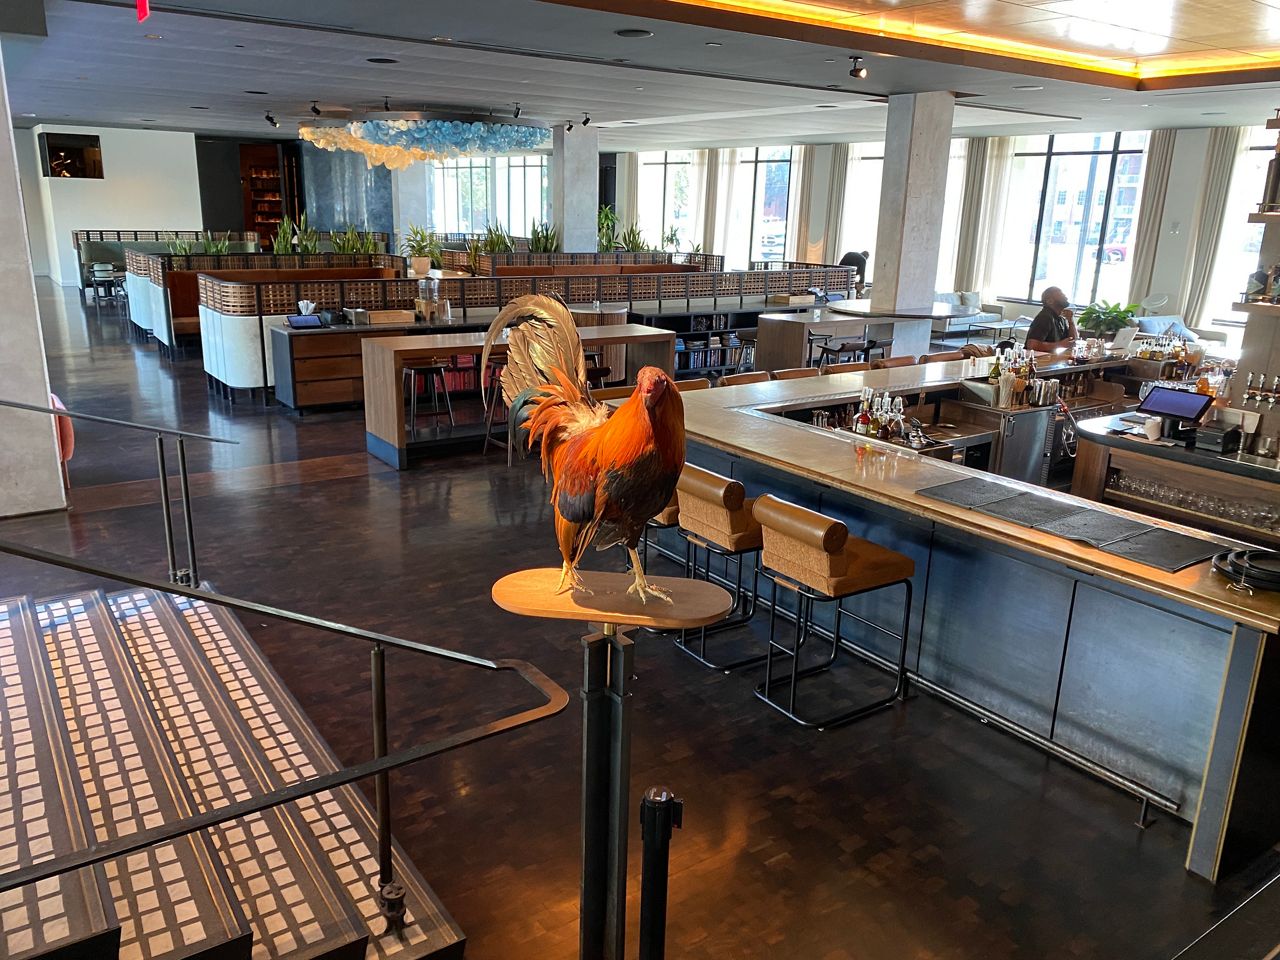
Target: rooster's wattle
[610,470]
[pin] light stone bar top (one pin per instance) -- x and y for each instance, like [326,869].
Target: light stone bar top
[724,418]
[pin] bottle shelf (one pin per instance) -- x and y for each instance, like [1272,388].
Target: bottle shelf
[1265,217]
[1266,309]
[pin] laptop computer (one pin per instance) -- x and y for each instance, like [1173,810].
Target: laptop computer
[1124,337]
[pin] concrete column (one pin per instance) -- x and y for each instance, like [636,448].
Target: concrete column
[30,478]
[575,186]
[912,192]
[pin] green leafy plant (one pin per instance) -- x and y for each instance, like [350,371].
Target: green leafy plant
[423,244]
[671,239]
[1103,317]
[607,229]
[475,249]
[283,241]
[307,236]
[352,240]
[543,238]
[695,248]
[178,246]
[215,245]
[497,240]
[632,240]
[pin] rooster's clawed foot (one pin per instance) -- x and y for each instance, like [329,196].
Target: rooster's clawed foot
[570,579]
[642,589]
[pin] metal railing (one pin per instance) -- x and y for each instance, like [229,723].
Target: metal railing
[391,894]
[189,575]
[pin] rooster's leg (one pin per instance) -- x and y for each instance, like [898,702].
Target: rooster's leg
[570,579]
[642,589]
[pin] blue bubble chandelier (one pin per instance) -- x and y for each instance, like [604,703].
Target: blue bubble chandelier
[397,142]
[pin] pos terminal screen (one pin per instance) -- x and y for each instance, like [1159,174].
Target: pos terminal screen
[1175,404]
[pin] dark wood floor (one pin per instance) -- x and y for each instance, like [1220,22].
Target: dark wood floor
[919,833]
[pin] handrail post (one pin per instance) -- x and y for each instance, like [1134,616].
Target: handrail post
[165,509]
[660,811]
[193,575]
[390,893]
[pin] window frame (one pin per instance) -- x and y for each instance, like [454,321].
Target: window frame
[666,163]
[755,163]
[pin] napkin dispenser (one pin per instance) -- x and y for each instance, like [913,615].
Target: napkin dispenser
[356,315]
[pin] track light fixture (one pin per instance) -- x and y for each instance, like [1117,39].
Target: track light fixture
[568,126]
[315,110]
[516,112]
[386,104]
[586,120]
[270,119]
[857,71]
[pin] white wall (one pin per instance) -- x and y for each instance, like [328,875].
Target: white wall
[149,183]
[33,204]
[1171,272]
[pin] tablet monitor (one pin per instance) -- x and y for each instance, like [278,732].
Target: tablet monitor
[1176,404]
[310,322]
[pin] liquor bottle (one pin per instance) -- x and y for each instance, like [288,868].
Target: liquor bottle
[994,375]
[1271,192]
[862,425]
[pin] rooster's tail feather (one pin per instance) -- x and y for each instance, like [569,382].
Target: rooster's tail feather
[543,339]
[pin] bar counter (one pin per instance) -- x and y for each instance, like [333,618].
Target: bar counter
[1142,677]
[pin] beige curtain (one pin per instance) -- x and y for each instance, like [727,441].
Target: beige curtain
[813,234]
[800,208]
[968,267]
[723,172]
[995,201]
[1155,187]
[831,252]
[626,189]
[1220,160]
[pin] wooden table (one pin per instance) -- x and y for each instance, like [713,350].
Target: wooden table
[384,359]
[604,315]
[782,339]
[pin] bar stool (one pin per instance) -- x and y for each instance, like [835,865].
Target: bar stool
[855,367]
[795,373]
[715,518]
[941,357]
[751,376]
[815,557]
[815,340]
[668,518]
[888,363]
[492,387]
[842,351]
[432,370]
[883,344]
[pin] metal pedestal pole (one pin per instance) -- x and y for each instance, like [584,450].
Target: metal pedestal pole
[608,660]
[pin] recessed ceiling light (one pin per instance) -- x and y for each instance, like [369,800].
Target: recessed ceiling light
[199,108]
[145,120]
[1104,99]
[639,88]
[829,60]
[712,43]
[621,60]
[1146,104]
[239,46]
[380,60]
[258,93]
[633,33]
[1214,113]
[1028,86]
[152,36]
[27,114]
[825,106]
[442,39]
[833,86]
[621,123]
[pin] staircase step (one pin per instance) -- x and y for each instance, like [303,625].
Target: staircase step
[43,814]
[277,868]
[342,820]
[171,898]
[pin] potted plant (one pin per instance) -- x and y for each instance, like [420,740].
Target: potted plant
[178,246]
[282,243]
[1104,320]
[423,248]
[475,249]
[543,238]
[307,236]
[497,240]
[607,229]
[213,244]
[632,240]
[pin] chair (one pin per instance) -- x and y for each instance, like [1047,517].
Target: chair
[890,362]
[715,519]
[432,370]
[855,367]
[737,379]
[102,277]
[612,393]
[815,340]
[850,349]
[688,386]
[815,557]
[971,350]
[942,357]
[794,373]
[493,390]
[668,518]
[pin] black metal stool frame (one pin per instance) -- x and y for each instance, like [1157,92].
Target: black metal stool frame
[805,598]
[739,614]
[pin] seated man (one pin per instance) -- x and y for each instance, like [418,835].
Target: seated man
[1054,326]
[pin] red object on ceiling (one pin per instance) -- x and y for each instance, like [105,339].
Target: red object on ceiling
[144,9]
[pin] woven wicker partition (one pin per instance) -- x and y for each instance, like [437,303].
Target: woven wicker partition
[117,236]
[487,262]
[248,299]
[156,265]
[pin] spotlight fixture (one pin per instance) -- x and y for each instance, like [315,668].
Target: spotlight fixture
[568,126]
[386,104]
[270,119]
[315,110]
[516,112]
[586,120]
[857,71]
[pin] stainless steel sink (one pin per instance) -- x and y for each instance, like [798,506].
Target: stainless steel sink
[1269,463]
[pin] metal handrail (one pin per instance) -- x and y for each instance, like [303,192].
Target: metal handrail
[556,700]
[191,574]
[94,418]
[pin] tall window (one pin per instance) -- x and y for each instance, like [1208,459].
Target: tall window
[666,194]
[1071,215]
[861,216]
[770,179]
[1240,244]
[468,195]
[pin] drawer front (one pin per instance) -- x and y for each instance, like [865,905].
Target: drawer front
[330,391]
[327,345]
[326,368]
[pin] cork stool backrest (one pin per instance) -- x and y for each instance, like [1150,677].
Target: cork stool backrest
[795,373]
[852,366]
[717,510]
[670,515]
[688,386]
[751,376]
[892,362]
[941,357]
[801,544]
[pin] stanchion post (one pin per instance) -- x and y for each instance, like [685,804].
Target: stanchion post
[595,796]
[660,811]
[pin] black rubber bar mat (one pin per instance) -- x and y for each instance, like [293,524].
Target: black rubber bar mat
[1030,509]
[1094,527]
[1163,549]
[972,492]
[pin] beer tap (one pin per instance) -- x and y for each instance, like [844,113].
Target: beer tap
[1249,393]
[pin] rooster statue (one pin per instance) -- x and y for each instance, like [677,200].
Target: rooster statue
[610,470]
